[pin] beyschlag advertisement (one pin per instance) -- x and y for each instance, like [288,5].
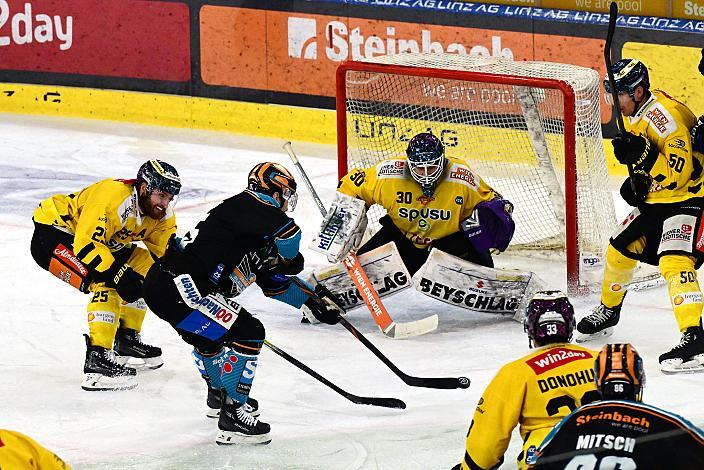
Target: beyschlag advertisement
[127,38]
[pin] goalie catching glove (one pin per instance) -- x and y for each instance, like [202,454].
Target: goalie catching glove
[322,308]
[343,228]
[491,225]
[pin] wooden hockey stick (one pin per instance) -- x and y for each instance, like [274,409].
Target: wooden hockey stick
[390,328]
[374,401]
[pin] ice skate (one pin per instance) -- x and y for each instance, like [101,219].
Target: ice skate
[103,373]
[599,323]
[214,402]
[239,426]
[132,352]
[687,356]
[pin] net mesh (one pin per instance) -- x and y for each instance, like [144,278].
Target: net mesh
[512,135]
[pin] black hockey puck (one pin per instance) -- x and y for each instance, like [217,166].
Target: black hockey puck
[463,382]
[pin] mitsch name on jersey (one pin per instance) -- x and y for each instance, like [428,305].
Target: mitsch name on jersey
[474,299]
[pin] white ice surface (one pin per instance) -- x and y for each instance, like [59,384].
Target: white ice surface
[162,424]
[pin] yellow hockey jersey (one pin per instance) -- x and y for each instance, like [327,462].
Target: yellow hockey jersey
[422,219]
[536,391]
[665,122]
[18,451]
[103,218]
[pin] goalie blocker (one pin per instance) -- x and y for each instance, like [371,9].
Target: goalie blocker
[343,228]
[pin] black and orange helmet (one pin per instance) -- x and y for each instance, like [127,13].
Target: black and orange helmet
[270,178]
[618,372]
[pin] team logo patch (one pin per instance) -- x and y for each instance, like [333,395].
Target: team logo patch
[459,200]
[658,119]
[425,200]
[687,298]
[615,287]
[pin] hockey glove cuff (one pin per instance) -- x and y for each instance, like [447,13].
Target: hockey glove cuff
[127,282]
[635,189]
[631,149]
[292,266]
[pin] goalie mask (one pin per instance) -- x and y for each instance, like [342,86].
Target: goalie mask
[629,74]
[618,372]
[549,318]
[271,179]
[426,161]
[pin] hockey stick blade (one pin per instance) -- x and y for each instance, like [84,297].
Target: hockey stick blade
[396,330]
[373,401]
[427,382]
[389,327]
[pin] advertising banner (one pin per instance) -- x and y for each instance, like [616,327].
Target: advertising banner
[303,50]
[129,38]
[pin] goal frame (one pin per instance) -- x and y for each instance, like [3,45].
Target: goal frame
[570,173]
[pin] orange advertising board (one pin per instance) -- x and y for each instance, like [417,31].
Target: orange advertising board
[304,50]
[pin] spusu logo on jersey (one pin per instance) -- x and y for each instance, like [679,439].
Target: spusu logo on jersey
[554,358]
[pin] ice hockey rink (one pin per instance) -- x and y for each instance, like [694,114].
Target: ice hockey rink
[162,424]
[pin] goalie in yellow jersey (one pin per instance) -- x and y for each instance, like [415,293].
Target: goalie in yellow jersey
[87,240]
[535,391]
[431,200]
[665,229]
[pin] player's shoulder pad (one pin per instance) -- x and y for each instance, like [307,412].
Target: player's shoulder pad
[459,172]
[391,168]
[659,115]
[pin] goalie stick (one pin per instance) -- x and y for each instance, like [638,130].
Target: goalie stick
[428,382]
[374,401]
[390,328]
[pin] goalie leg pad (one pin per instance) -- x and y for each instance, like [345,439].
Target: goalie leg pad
[384,268]
[458,282]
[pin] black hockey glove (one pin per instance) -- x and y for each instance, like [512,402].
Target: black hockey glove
[698,135]
[635,193]
[127,282]
[291,266]
[631,149]
[324,310]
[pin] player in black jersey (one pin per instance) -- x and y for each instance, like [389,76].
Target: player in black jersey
[246,239]
[620,431]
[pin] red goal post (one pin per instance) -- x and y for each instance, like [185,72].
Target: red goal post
[532,130]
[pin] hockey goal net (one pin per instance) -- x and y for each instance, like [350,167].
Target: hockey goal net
[532,130]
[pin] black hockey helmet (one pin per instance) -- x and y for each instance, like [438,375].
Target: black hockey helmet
[271,178]
[159,176]
[618,372]
[425,151]
[629,74]
[549,318]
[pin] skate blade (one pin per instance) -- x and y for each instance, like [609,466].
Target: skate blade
[226,438]
[101,383]
[140,364]
[677,366]
[585,337]
[213,413]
